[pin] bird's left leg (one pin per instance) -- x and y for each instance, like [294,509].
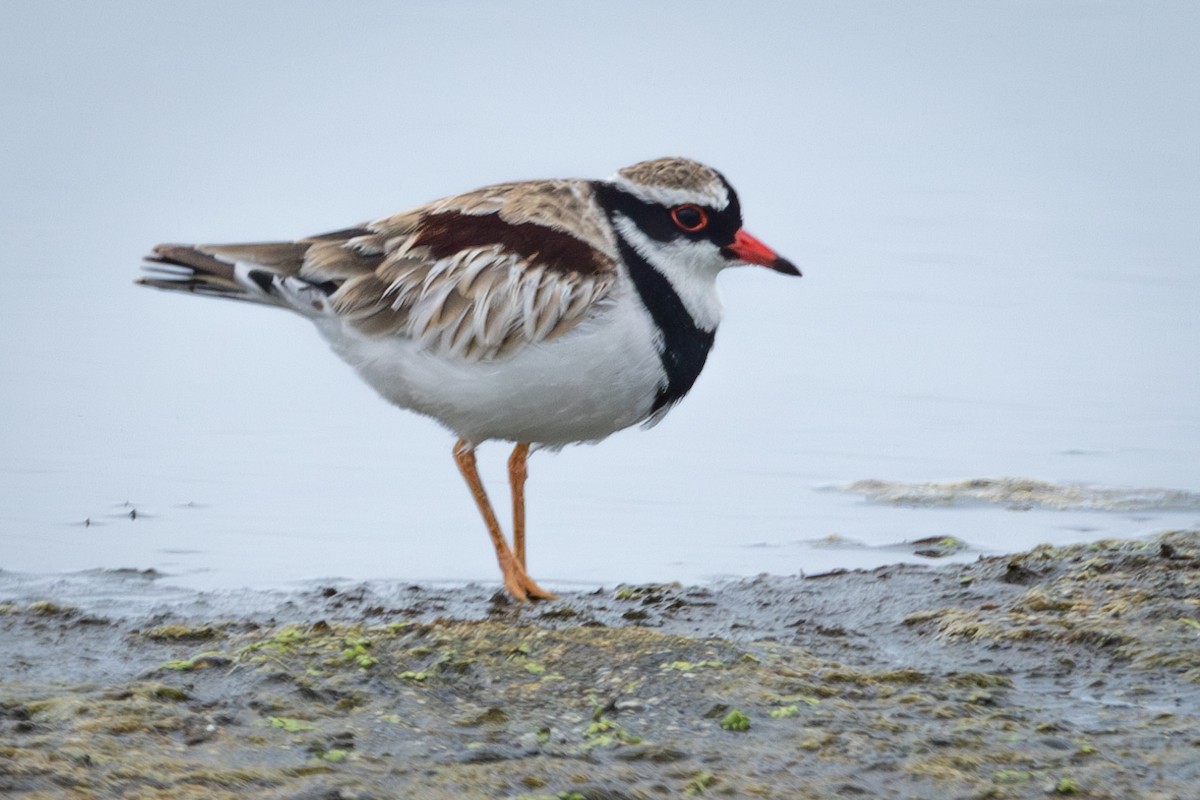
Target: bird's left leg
[517,473]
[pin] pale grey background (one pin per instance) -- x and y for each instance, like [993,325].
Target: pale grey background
[995,206]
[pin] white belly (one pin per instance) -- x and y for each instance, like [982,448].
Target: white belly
[595,379]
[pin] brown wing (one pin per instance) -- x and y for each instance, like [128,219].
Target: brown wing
[480,274]
[477,275]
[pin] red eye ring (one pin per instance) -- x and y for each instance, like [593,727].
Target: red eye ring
[690,217]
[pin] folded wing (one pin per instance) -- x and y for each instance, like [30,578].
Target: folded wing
[475,276]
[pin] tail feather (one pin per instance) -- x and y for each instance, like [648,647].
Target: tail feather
[184,268]
[300,275]
[284,257]
[260,273]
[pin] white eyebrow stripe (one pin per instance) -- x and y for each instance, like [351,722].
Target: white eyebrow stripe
[717,198]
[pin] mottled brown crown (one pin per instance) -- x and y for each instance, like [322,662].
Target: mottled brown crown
[676,180]
[673,173]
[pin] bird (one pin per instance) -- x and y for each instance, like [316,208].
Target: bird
[542,313]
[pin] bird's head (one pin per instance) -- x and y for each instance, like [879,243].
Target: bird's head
[688,211]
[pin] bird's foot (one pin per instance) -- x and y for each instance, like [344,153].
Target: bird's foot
[520,585]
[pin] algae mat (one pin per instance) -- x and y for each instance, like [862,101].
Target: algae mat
[1059,672]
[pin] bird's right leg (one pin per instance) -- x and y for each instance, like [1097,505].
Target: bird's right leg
[517,473]
[516,580]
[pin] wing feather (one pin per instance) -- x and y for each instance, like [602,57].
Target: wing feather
[478,276]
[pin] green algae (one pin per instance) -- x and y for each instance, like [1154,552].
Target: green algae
[735,721]
[206,660]
[688,666]
[291,725]
[182,633]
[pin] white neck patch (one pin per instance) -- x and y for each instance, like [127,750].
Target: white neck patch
[690,267]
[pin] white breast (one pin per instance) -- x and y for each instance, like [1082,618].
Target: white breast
[597,378]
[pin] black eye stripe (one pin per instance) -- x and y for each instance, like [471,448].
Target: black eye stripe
[657,222]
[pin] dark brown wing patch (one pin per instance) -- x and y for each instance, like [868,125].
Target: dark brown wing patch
[451,232]
[476,285]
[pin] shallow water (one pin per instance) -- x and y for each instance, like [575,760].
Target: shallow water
[994,208]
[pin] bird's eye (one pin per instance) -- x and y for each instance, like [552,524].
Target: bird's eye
[690,218]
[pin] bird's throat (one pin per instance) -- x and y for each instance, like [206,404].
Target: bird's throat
[684,345]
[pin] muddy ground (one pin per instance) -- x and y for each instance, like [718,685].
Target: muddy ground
[1059,672]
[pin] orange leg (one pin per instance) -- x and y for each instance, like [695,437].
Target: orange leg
[516,581]
[517,473]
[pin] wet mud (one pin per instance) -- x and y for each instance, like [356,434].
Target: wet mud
[1059,672]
